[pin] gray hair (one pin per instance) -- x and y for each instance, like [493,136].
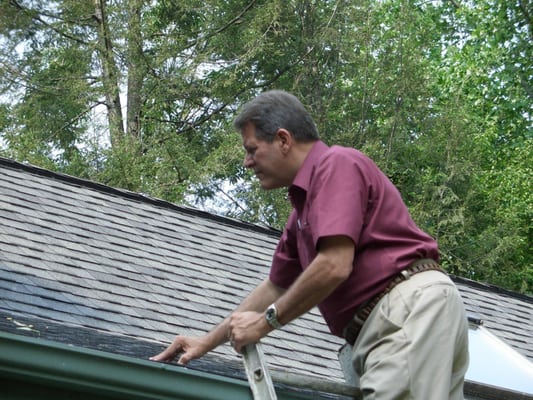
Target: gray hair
[274,110]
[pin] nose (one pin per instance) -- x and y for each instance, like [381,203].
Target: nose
[248,161]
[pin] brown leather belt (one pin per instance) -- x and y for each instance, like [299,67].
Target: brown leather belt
[363,311]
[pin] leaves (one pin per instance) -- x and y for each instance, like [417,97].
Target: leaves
[437,93]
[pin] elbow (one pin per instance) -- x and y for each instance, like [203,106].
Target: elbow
[340,273]
[336,256]
[336,273]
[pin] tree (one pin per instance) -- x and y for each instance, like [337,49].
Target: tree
[142,95]
[487,73]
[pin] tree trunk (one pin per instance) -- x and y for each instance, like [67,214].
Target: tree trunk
[136,69]
[110,75]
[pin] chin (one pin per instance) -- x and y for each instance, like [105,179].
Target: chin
[269,185]
[266,186]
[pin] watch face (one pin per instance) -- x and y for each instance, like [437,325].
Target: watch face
[272,318]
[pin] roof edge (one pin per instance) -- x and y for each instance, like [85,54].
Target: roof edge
[42,361]
[136,196]
[492,288]
[488,392]
[91,371]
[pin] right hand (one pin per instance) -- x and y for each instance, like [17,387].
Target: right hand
[188,346]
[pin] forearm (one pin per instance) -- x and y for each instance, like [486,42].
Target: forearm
[310,289]
[328,270]
[261,297]
[258,300]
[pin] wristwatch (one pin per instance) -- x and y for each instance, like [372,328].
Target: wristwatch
[271,316]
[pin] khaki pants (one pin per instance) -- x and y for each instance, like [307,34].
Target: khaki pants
[414,344]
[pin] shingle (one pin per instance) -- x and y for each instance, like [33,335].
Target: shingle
[103,259]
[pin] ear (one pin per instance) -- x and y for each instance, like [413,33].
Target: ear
[285,139]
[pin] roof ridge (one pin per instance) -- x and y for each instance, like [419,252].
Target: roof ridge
[137,196]
[492,288]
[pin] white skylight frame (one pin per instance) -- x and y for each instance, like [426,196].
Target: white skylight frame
[493,362]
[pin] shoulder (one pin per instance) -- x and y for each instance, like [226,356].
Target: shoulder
[343,152]
[346,157]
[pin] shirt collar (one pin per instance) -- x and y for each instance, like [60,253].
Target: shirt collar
[302,179]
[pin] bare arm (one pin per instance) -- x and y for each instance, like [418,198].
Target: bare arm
[194,347]
[257,301]
[332,266]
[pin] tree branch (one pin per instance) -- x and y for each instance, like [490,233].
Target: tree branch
[36,16]
[527,16]
[455,4]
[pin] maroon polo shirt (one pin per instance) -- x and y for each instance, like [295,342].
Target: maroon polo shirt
[340,191]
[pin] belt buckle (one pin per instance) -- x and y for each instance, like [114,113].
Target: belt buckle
[405,274]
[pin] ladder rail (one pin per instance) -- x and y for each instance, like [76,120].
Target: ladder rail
[261,382]
[257,373]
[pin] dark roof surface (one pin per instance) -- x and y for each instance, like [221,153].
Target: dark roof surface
[88,256]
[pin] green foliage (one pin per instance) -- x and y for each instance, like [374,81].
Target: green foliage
[486,103]
[438,93]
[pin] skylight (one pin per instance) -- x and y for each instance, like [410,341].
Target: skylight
[494,363]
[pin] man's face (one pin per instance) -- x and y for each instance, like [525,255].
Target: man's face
[266,159]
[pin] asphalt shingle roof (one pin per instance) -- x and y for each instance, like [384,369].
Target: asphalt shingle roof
[85,255]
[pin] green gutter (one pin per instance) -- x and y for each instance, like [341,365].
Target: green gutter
[50,364]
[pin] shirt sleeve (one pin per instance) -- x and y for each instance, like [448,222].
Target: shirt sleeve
[286,265]
[338,196]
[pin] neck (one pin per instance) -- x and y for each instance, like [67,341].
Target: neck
[297,157]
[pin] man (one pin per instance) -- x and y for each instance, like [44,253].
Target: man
[350,247]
